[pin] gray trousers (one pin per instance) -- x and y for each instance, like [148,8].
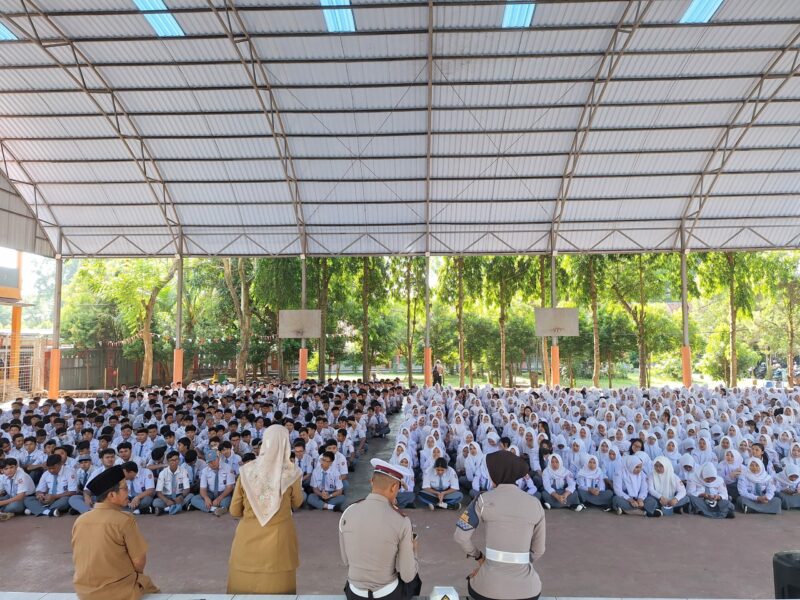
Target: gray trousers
[773,507]
[406,498]
[603,499]
[701,507]
[144,503]
[187,500]
[788,501]
[37,508]
[651,503]
[572,500]
[625,505]
[78,504]
[315,501]
[200,504]
[17,507]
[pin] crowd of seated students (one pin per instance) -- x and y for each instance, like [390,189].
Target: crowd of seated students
[652,452]
[182,448]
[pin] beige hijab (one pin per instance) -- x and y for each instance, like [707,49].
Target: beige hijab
[272,473]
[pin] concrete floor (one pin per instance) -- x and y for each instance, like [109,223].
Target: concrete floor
[591,554]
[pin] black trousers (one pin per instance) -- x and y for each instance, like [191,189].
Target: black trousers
[404,591]
[476,596]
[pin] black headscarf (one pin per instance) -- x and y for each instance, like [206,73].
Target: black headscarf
[505,467]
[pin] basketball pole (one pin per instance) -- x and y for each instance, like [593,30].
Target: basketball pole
[555,363]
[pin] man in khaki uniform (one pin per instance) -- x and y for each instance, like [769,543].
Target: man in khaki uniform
[108,550]
[377,543]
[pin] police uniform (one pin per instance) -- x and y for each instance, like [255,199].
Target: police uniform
[105,541]
[515,533]
[376,543]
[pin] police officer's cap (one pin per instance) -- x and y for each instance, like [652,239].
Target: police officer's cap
[396,472]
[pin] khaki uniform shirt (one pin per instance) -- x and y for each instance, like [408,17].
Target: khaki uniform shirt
[376,543]
[104,541]
[513,522]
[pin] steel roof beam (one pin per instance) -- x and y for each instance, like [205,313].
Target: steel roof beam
[260,83]
[738,126]
[429,139]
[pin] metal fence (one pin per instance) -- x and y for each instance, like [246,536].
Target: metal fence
[23,375]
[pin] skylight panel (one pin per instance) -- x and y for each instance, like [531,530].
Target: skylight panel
[6,35]
[164,24]
[518,16]
[338,20]
[701,11]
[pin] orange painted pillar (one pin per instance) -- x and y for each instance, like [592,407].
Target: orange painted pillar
[177,365]
[428,366]
[686,362]
[303,364]
[555,365]
[55,374]
[16,345]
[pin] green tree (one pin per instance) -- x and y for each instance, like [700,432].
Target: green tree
[737,275]
[585,271]
[502,281]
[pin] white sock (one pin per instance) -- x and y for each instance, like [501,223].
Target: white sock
[46,512]
[329,506]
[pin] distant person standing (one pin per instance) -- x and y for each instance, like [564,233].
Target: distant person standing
[438,373]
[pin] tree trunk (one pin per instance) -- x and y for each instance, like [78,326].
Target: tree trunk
[244,314]
[502,339]
[731,258]
[595,325]
[409,327]
[470,371]
[641,328]
[147,335]
[543,290]
[324,280]
[790,359]
[365,320]
[460,314]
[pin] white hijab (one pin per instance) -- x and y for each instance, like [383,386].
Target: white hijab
[267,478]
[664,483]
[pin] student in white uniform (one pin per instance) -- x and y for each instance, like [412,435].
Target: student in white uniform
[440,487]
[53,491]
[709,495]
[667,494]
[173,487]
[591,484]
[326,485]
[16,486]
[757,490]
[216,486]
[558,486]
[141,488]
[630,488]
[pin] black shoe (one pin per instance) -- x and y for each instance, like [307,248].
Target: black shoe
[657,513]
[730,515]
[677,510]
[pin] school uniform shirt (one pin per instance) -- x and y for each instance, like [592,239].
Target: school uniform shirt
[194,471]
[327,481]
[432,480]
[346,448]
[306,465]
[234,462]
[82,477]
[63,481]
[143,482]
[37,457]
[341,463]
[142,450]
[222,477]
[20,482]
[173,484]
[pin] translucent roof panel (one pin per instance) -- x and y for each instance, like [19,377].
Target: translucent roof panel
[604,126]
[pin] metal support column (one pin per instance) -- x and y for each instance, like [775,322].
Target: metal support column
[686,351]
[555,364]
[303,357]
[55,353]
[427,358]
[177,356]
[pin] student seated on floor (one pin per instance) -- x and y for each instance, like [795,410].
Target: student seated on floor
[173,487]
[440,488]
[327,490]
[666,492]
[15,486]
[558,486]
[787,484]
[55,487]
[709,495]
[216,486]
[757,490]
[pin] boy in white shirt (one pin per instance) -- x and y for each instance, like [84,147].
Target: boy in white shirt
[16,486]
[172,488]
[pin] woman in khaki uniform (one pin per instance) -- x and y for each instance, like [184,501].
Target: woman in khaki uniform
[264,556]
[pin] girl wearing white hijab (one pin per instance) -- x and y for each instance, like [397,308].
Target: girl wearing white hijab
[667,494]
[559,486]
[793,458]
[630,488]
[787,484]
[591,484]
[703,453]
[708,494]
[406,495]
[264,555]
[757,490]
[730,469]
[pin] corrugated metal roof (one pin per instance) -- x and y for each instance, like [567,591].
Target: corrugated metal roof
[348,117]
